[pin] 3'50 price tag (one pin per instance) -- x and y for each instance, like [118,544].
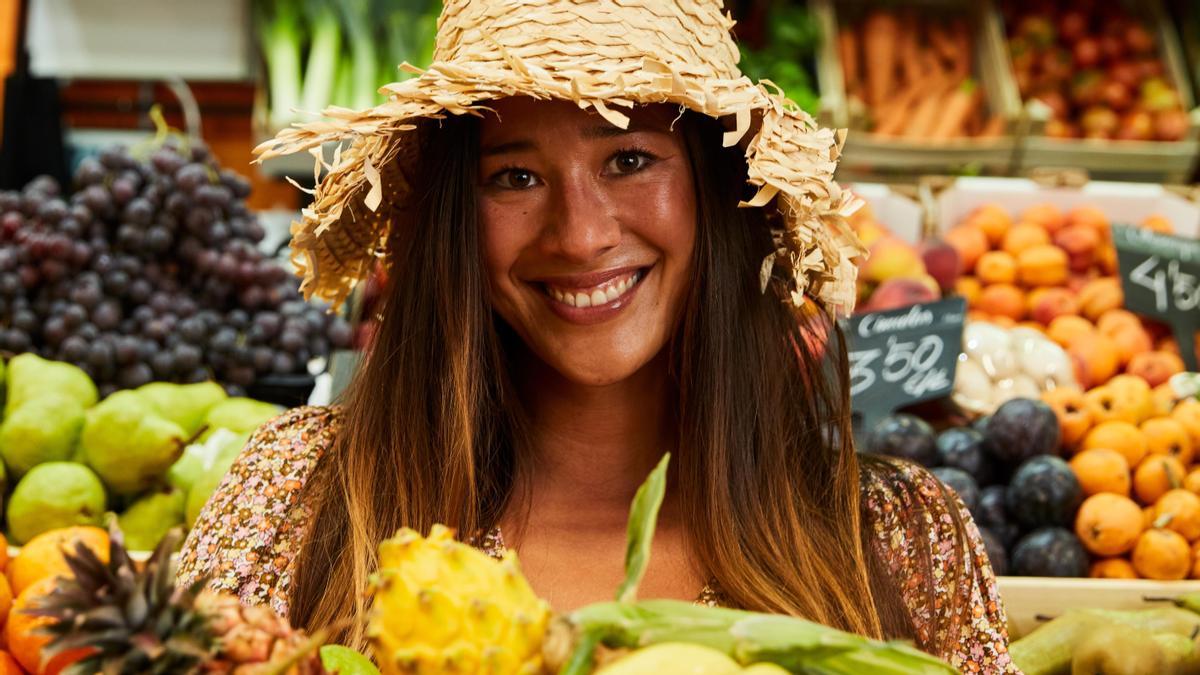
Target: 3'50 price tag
[903,356]
[1160,275]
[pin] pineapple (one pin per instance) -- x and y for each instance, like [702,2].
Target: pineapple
[441,606]
[140,622]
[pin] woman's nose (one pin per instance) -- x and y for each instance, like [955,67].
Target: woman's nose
[582,223]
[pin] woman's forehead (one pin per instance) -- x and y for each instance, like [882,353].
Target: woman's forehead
[525,115]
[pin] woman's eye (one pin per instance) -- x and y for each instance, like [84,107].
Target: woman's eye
[628,161]
[515,179]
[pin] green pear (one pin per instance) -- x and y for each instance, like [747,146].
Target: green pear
[221,448]
[183,404]
[226,447]
[30,377]
[42,430]
[55,495]
[239,414]
[128,444]
[148,519]
[202,490]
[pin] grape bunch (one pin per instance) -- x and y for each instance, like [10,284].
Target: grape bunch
[151,271]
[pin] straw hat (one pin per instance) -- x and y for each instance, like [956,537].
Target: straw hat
[606,55]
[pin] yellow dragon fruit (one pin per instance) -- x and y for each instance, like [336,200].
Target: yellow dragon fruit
[441,606]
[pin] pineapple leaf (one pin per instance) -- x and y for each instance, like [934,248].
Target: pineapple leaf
[643,515]
[340,660]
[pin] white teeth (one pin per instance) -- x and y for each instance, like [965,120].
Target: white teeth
[604,294]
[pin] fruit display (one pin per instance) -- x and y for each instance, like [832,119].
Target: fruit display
[437,606]
[1098,67]
[1154,640]
[150,271]
[896,273]
[152,455]
[915,73]
[999,364]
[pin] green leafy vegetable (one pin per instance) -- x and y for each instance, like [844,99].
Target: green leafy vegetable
[643,516]
[341,660]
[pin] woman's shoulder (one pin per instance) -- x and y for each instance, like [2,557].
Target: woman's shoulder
[930,545]
[247,535]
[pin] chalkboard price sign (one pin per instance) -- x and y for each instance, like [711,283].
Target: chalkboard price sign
[903,356]
[1160,275]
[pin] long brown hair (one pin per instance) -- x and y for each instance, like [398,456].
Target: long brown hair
[767,475]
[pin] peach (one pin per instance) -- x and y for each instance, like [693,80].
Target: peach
[891,258]
[1092,217]
[1003,300]
[996,267]
[900,292]
[968,288]
[1163,397]
[1047,304]
[1042,265]
[1095,359]
[869,232]
[1066,329]
[970,242]
[1126,331]
[1115,318]
[1106,259]
[1048,216]
[1155,367]
[1128,399]
[993,219]
[1099,296]
[1079,242]
[942,262]
[1022,236]
[1077,280]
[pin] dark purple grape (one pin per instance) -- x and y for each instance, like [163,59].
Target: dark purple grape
[243,376]
[135,375]
[129,237]
[88,332]
[218,233]
[87,295]
[262,358]
[340,334]
[158,239]
[53,270]
[140,291]
[193,330]
[74,316]
[29,277]
[252,297]
[122,189]
[16,341]
[89,171]
[187,358]
[54,331]
[190,177]
[52,211]
[223,341]
[116,283]
[213,195]
[291,341]
[238,318]
[81,253]
[163,364]
[139,211]
[114,157]
[25,320]
[45,185]
[126,349]
[10,285]
[107,315]
[283,364]
[166,161]
[157,329]
[100,355]
[74,349]
[197,375]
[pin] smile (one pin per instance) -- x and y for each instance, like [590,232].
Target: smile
[596,296]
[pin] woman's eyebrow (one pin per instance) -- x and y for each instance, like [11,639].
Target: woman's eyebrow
[593,132]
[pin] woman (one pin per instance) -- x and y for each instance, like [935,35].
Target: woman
[574,290]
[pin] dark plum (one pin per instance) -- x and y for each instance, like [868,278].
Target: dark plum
[997,554]
[961,483]
[1049,552]
[900,435]
[1044,491]
[1022,428]
[963,448]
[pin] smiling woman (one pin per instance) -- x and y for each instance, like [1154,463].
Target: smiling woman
[574,291]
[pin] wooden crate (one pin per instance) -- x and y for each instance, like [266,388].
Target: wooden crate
[1029,601]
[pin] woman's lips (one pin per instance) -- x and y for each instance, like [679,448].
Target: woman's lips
[590,304]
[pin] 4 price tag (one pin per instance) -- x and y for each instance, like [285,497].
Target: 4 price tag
[903,356]
[1160,275]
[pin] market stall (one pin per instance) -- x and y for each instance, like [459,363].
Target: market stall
[1027,322]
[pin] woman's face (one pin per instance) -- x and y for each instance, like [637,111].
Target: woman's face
[588,231]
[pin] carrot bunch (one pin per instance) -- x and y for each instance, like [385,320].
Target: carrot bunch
[914,74]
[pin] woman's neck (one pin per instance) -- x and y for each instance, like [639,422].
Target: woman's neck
[592,446]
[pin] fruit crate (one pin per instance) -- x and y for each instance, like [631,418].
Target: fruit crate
[1159,161]
[896,206]
[1030,601]
[948,201]
[867,156]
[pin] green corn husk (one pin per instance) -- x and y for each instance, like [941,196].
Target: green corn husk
[795,644]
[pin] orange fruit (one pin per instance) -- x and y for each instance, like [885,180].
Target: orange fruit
[1166,436]
[1118,404]
[1183,509]
[24,644]
[1066,329]
[1047,216]
[1155,367]
[970,242]
[3,552]
[1156,476]
[43,555]
[1002,300]
[1070,407]
[1114,319]
[1023,236]
[1095,357]
[1042,265]
[1162,555]
[1099,296]
[1187,413]
[1133,395]
[1089,216]
[1109,524]
[1122,437]
[6,599]
[1163,397]
[1112,568]
[968,288]
[1102,470]
[996,267]
[9,665]
[1147,517]
[993,220]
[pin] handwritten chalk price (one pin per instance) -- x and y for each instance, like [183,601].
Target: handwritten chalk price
[903,356]
[1160,275]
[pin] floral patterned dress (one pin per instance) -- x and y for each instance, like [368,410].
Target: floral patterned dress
[247,538]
